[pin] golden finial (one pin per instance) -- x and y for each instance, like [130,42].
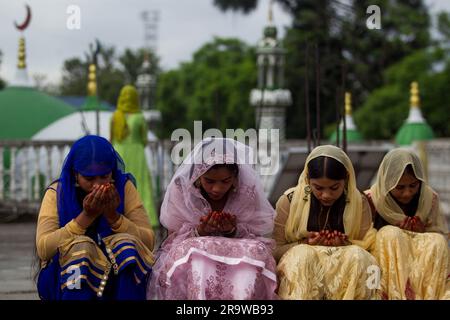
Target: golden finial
[270,11]
[21,64]
[348,103]
[415,98]
[92,83]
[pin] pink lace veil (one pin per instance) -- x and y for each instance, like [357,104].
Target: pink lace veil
[184,204]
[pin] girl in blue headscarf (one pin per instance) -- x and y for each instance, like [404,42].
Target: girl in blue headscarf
[93,235]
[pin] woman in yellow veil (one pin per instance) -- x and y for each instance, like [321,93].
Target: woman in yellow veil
[129,137]
[322,230]
[411,245]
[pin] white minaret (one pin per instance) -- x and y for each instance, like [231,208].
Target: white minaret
[146,79]
[270,99]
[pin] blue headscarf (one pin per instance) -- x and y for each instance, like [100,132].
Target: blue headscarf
[89,156]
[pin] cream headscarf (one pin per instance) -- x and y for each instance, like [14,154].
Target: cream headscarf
[389,173]
[297,222]
[128,103]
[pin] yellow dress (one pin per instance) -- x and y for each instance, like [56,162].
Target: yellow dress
[414,265]
[325,272]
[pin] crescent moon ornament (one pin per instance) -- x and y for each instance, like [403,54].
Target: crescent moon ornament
[25,24]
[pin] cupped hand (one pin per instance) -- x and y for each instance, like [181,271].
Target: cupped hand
[207,225]
[92,203]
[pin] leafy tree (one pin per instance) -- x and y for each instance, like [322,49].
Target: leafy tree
[444,25]
[2,82]
[131,62]
[387,108]
[214,87]
[236,5]
[351,56]
[113,72]
[172,101]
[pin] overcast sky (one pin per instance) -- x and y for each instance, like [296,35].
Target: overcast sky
[184,25]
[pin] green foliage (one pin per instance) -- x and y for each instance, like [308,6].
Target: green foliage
[383,113]
[444,25]
[113,72]
[214,87]
[352,57]
[387,108]
[2,82]
[236,5]
[131,62]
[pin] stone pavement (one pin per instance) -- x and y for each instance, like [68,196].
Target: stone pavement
[16,258]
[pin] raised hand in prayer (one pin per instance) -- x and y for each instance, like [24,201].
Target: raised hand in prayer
[217,223]
[111,200]
[92,203]
[207,226]
[328,238]
[335,238]
[412,224]
[225,222]
[314,239]
[417,225]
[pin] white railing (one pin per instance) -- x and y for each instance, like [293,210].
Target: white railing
[438,156]
[28,167]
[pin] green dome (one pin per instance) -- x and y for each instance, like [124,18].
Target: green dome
[410,132]
[352,136]
[24,111]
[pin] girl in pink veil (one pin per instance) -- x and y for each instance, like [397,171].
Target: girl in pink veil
[204,259]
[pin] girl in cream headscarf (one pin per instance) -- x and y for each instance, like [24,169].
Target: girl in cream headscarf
[322,229]
[410,244]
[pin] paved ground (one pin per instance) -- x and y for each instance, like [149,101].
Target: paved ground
[16,257]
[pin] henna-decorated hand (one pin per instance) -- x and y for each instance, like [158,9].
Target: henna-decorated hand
[92,203]
[217,223]
[207,226]
[416,225]
[412,224]
[315,239]
[111,201]
[328,238]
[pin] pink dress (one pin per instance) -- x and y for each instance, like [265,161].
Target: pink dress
[207,268]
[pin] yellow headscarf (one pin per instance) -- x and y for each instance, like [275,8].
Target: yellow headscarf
[297,222]
[389,173]
[128,103]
